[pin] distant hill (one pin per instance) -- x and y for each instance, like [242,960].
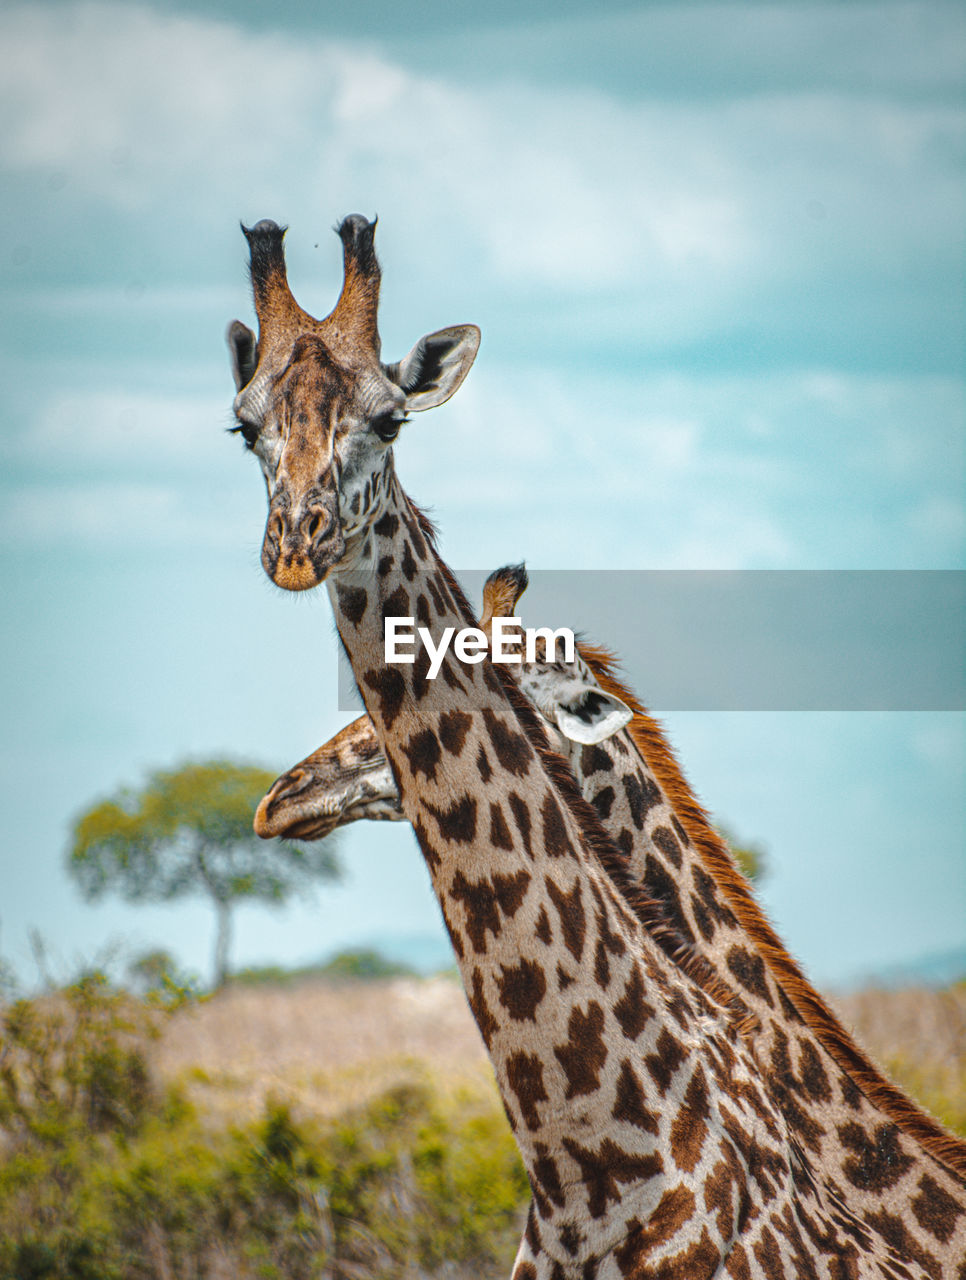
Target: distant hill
[937,969]
[421,952]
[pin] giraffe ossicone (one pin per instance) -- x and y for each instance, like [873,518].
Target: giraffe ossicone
[651,1146]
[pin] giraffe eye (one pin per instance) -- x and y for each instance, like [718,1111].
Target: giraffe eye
[248,432]
[386,426]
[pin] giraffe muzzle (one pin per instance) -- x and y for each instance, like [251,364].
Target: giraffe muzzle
[294,810]
[298,553]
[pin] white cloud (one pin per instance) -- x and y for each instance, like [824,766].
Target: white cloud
[787,471]
[607,222]
[542,187]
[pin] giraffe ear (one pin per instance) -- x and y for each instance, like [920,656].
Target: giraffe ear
[592,716]
[242,345]
[436,366]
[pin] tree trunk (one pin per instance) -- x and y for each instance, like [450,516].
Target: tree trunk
[222,942]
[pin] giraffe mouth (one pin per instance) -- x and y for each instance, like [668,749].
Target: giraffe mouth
[299,563]
[296,573]
[283,812]
[298,808]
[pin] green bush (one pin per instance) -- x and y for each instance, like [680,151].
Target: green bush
[104,1174]
[363,963]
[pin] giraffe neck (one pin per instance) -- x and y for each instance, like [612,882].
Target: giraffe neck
[622,1080]
[881,1168]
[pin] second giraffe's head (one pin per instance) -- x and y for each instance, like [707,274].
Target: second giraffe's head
[320,410]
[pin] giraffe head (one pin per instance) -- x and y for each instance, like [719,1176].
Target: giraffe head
[320,410]
[349,777]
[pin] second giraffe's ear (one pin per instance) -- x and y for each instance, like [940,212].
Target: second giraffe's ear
[592,716]
[436,366]
[244,357]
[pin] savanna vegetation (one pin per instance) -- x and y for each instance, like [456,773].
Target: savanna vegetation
[336,1122]
[320,1128]
[113,1164]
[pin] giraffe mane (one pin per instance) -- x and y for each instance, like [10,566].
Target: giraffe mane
[807,1003]
[427,527]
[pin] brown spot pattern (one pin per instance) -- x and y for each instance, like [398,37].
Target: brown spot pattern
[664,1062]
[585,1053]
[749,969]
[666,841]
[632,1011]
[390,688]
[500,836]
[485,1020]
[673,1210]
[521,816]
[480,906]
[542,928]
[877,1164]
[525,1077]
[522,987]
[512,749]
[690,1126]
[510,891]
[423,753]
[601,966]
[570,911]
[555,839]
[629,1102]
[604,1169]
[642,795]
[595,759]
[352,602]
[935,1209]
[453,728]
[456,823]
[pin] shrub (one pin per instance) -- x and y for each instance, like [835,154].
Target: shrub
[103,1174]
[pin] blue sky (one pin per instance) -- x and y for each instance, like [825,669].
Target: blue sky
[716,251]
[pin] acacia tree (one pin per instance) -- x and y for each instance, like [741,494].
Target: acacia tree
[188,831]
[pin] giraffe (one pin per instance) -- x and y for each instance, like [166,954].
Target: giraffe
[871,1146]
[650,1146]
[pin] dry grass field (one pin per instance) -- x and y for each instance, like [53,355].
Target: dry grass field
[323,1046]
[918,1037]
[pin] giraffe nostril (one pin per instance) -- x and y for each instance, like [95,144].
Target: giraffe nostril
[315,525]
[276,527]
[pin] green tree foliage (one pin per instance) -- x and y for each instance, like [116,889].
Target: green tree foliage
[188,831]
[751,858]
